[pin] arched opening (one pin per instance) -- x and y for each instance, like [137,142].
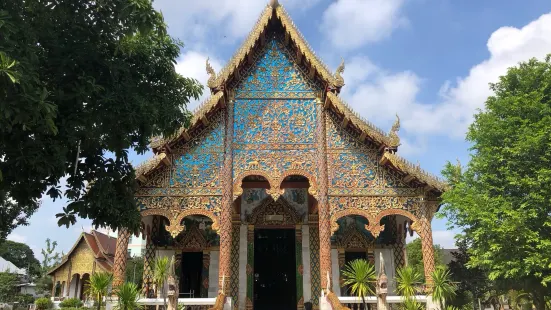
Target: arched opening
[58,289]
[193,246]
[85,284]
[74,285]
[254,189]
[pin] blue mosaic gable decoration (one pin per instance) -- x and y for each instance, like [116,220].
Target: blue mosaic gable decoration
[275,115]
[354,169]
[195,169]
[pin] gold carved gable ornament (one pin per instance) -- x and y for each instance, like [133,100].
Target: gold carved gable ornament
[353,238]
[271,212]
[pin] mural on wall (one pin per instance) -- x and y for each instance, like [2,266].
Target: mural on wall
[274,111]
[254,197]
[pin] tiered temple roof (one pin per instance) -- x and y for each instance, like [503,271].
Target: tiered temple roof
[274,13]
[102,245]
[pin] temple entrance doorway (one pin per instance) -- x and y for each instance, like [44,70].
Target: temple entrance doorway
[274,269]
[190,280]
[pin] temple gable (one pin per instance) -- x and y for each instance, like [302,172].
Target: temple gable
[274,115]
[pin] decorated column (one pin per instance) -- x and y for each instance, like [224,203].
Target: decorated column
[227,201]
[323,205]
[424,230]
[121,255]
[147,286]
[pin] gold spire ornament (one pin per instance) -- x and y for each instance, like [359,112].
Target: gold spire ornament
[339,80]
[393,135]
[274,3]
[211,82]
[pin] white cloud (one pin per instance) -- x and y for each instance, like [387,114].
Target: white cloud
[193,64]
[378,95]
[350,24]
[17,238]
[229,18]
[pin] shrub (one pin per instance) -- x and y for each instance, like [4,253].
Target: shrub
[24,299]
[43,303]
[71,303]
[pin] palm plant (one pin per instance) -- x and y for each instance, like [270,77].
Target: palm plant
[98,285]
[359,276]
[128,295]
[411,304]
[407,281]
[442,286]
[160,275]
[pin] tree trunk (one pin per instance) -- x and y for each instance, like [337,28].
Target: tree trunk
[100,299]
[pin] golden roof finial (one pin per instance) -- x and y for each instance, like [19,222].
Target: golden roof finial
[339,80]
[211,83]
[274,3]
[394,139]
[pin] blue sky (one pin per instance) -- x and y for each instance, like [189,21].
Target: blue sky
[430,61]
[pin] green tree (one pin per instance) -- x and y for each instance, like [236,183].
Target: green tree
[98,285]
[8,281]
[50,259]
[161,267]
[502,197]
[359,277]
[472,283]
[409,282]
[415,256]
[21,255]
[443,288]
[134,270]
[72,105]
[127,296]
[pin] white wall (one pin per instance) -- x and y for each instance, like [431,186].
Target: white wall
[389,267]
[213,273]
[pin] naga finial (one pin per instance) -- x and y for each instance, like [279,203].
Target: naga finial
[211,83]
[338,77]
[394,138]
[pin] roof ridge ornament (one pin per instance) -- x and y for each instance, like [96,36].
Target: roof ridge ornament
[339,80]
[393,134]
[274,3]
[211,82]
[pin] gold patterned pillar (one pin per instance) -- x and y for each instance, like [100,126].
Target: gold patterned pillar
[424,230]
[323,204]
[147,283]
[121,255]
[227,202]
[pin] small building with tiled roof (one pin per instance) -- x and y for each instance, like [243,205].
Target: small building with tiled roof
[92,252]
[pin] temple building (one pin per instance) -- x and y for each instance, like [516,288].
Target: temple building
[92,252]
[277,183]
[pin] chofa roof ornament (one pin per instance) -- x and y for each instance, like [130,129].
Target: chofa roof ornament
[339,80]
[393,134]
[211,83]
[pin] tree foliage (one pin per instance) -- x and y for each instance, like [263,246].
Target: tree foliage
[83,79]
[50,259]
[22,256]
[415,256]
[8,281]
[472,283]
[134,270]
[502,197]
[359,277]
